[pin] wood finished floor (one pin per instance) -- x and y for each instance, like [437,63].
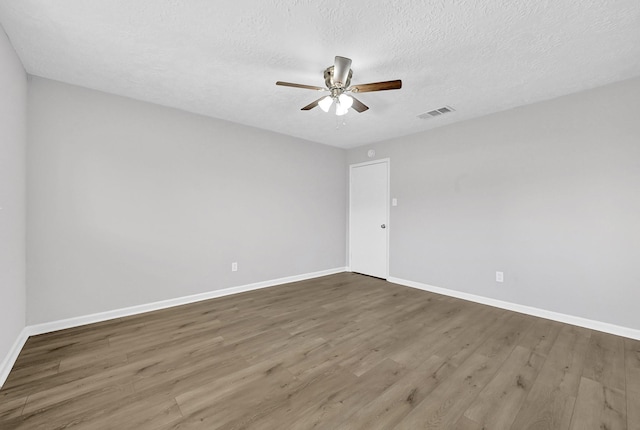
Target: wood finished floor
[339,352]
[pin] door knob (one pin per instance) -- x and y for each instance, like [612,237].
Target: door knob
[383,226]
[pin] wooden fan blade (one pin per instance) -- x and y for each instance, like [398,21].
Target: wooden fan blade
[312,104]
[377,86]
[358,106]
[308,87]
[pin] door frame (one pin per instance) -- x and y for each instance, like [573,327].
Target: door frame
[387,162]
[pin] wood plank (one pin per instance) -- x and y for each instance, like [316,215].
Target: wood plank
[446,329]
[402,397]
[465,423]
[551,400]
[444,406]
[33,373]
[61,412]
[498,403]
[11,407]
[341,403]
[238,398]
[604,361]
[541,337]
[632,374]
[301,399]
[598,407]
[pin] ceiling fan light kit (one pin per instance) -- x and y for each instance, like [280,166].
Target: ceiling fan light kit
[325,103]
[337,79]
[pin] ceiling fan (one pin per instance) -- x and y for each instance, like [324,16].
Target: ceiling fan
[337,78]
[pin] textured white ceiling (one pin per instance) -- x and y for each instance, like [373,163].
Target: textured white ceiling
[222,58]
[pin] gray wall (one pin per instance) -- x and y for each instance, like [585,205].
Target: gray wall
[131,203]
[548,193]
[13,140]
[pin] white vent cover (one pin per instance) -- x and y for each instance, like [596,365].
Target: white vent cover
[436,112]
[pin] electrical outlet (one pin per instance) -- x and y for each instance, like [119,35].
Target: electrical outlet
[234,266]
[499,277]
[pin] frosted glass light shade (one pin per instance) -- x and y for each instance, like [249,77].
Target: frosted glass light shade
[345,101]
[340,109]
[325,103]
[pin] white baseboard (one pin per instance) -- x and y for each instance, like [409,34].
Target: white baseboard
[48,327]
[537,312]
[12,356]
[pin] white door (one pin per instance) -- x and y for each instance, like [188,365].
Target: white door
[368,218]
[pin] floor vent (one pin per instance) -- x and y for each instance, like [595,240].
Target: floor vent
[436,112]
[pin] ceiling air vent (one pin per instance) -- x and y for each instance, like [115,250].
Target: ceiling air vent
[436,112]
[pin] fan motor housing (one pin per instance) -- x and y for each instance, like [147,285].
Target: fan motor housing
[328,80]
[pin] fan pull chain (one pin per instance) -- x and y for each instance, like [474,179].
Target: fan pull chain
[340,121]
